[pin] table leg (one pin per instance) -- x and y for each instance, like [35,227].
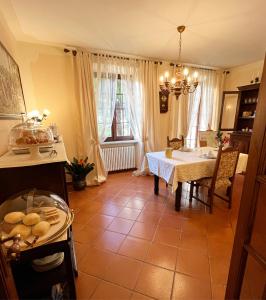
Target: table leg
[178,194]
[156,185]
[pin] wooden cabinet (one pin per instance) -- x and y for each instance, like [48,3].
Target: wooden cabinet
[240,140]
[238,113]
[246,111]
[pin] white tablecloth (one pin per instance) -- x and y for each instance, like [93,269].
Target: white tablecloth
[186,166]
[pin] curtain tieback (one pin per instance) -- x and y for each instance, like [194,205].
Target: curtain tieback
[94,142]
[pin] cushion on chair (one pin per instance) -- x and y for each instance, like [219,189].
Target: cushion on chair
[176,145]
[222,182]
[227,164]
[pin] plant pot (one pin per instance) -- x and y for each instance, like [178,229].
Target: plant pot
[79,185]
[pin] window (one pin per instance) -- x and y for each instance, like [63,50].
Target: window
[120,129]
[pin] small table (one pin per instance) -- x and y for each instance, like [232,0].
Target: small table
[183,167]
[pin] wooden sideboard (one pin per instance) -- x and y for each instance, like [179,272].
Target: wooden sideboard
[19,173]
[240,140]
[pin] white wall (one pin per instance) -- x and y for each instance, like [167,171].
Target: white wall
[48,82]
[242,75]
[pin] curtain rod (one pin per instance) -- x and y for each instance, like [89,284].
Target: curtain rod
[74,52]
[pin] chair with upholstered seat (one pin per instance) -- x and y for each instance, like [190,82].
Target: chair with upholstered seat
[223,177]
[175,143]
[207,138]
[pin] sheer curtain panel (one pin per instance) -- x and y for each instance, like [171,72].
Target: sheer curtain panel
[204,105]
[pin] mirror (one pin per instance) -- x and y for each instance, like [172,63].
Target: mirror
[229,109]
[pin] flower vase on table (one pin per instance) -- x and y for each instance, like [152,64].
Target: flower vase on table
[222,140]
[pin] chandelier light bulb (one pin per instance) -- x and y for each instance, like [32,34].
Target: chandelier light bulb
[161,79]
[195,75]
[188,79]
[186,71]
[173,81]
[166,75]
[33,114]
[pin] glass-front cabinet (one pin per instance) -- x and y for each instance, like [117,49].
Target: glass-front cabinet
[238,113]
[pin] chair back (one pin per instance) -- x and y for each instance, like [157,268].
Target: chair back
[175,143]
[207,138]
[225,167]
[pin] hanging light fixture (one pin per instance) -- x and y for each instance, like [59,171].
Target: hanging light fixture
[181,83]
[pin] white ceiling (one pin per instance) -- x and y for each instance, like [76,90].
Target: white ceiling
[219,33]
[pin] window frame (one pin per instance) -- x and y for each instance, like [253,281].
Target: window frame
[115,137]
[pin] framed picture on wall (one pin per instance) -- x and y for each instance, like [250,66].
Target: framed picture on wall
[12,103]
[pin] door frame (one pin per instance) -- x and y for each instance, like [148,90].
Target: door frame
[256,165]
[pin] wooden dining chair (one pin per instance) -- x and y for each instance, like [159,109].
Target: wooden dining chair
[175,143]
[223,177]
[207,138]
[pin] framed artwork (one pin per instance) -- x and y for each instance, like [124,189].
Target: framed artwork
[12,103]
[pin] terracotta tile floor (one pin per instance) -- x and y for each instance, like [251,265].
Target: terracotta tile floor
[131,244]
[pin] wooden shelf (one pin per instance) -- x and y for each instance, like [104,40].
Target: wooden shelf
[247,104]
[247,118]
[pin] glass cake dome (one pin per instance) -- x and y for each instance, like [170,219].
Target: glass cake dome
[38,216]
[30,135]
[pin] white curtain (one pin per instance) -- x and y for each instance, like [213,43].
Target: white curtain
[105,71]
[178,124]
[204,105]
[89,144]
[151,115]
[132,90]
[178,116]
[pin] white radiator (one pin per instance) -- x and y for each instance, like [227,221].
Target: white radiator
[118,157]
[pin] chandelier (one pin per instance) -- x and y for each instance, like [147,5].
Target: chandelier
[182,82]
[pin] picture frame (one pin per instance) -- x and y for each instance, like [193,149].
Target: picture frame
[12,102]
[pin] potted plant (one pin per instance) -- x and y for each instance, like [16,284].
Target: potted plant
[79,169]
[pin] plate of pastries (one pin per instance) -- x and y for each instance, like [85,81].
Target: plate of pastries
[36,226]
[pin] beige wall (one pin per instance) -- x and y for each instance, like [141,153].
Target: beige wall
[47,79]
[9,42]
[242,75]
[48,82]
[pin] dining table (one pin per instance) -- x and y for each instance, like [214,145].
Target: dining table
[185,166]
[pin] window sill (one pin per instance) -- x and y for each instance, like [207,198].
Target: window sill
[118,143]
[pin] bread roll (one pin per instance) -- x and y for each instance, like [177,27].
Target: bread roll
[41,228]
[14,217]
[21,229]
[31,219]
